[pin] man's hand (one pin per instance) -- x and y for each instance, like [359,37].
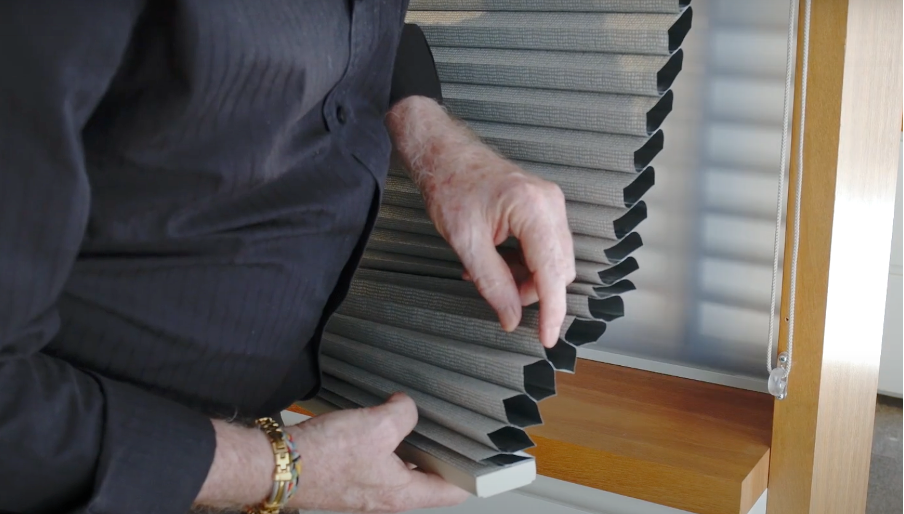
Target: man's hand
[477,200]
[349,464]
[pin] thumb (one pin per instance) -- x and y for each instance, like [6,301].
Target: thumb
[491,275]
[396,418]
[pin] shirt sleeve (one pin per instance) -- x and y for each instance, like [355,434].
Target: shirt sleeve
[415,72]
[71,440]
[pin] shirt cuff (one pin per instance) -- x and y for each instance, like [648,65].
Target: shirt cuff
[155,453]
[415,72]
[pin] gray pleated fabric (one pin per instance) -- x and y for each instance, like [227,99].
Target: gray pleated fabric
[346,395]
[401,263]
[473,425]
[598,249]
[614,152]
[584,185]
[602,274]
[634,6]
[505,369]
[596,187]
[649,75]
[621,33]
[598,112]
[600,292]
[586,219]
[406,312]
[408,242]
[406,219]
[574,92]
[476,395]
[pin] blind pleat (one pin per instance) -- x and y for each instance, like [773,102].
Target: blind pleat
[598,112]
[600,292]
[597,249]
[595,187]
[427,320]
[405,219]
[512,370]
[637,6]
[402,199]
[573,92]
[410,243]
[591,220]
[626,33]
[605,251]
[615,152]
[606,309]
[596,273]
[605,222]
[491,400]
[604,274]
[339,393]
[400,242]
[461,297]
[483,429]
[401,263]
[650,75]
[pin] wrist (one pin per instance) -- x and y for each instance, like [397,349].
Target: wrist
[286,470]
[434,147]
[242,469]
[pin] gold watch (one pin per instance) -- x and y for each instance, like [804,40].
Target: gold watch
[285,472]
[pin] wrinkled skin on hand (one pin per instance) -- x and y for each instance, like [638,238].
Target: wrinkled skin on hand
[349,464]
[477,211]
[477,199]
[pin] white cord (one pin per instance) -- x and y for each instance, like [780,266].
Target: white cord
[781,180]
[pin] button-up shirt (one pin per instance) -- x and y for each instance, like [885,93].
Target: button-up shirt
[185,189]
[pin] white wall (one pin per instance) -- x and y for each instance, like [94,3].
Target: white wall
[706,267]
[890,370]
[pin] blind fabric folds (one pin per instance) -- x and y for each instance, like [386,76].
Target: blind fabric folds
[574,92]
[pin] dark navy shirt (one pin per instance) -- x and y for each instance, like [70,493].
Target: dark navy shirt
[185,189]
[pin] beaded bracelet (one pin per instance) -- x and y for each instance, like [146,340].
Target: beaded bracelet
[287,469]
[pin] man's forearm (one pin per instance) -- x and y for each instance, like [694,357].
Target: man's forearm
[433,145]
[242,469]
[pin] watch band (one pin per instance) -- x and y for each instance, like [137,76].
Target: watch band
[286,471]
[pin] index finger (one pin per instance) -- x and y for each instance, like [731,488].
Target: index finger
[547,260]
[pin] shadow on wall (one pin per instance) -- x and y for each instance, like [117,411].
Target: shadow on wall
[703,287]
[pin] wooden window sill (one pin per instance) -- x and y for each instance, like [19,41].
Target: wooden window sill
[686,444]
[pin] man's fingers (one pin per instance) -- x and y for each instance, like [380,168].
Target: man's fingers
[552,271]
[426,491]
[551,290]
[395,419]
[493,279]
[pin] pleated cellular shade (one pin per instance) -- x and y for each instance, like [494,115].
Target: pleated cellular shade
[574,92]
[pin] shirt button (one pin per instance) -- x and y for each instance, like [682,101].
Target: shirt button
[340,115]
